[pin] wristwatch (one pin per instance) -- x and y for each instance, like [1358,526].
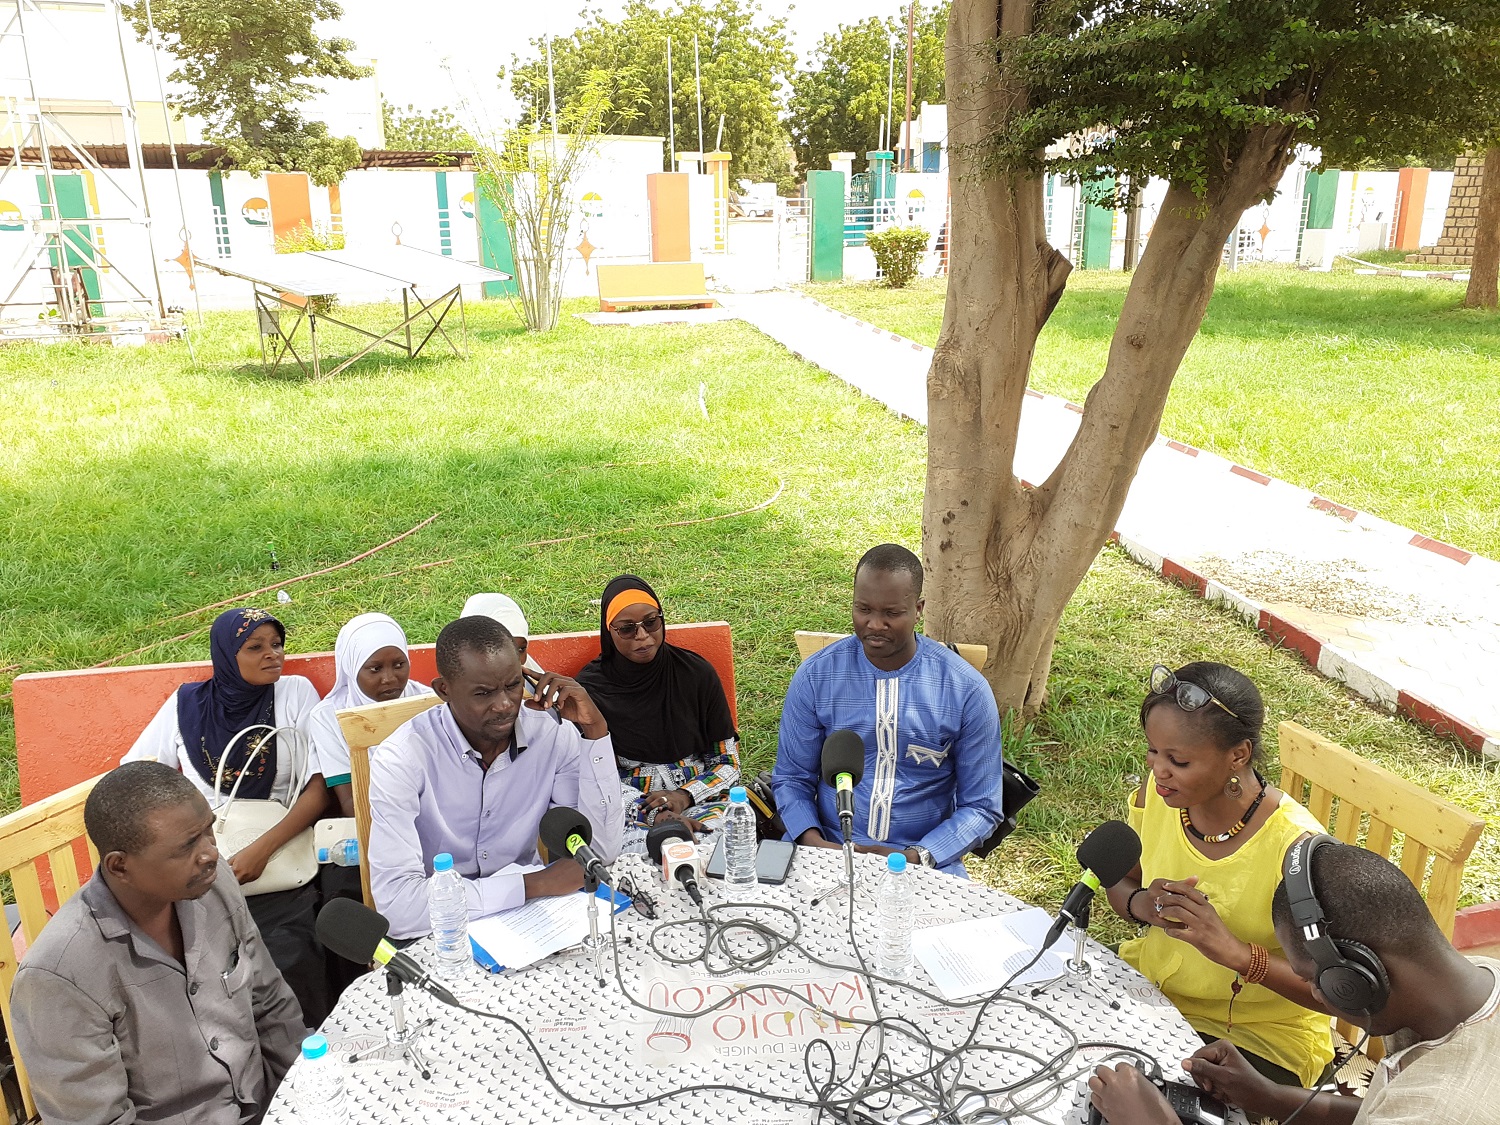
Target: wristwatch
[924,857]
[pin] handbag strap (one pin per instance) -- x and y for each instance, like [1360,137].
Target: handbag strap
[298,747]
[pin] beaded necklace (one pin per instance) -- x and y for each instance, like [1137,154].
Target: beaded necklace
[1235,829]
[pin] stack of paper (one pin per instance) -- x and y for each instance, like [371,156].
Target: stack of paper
[976,957]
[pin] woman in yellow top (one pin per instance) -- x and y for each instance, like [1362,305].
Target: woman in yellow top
[1213,836]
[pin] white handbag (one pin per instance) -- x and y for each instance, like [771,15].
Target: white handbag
[242,821]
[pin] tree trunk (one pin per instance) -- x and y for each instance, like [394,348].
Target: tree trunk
[1484,270]
[1003,559]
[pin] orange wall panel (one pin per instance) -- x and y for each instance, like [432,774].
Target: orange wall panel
[667,193]
[291,202]
[1411,187]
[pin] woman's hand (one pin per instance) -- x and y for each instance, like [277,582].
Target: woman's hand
[1220,1070]
[1153,903]
[669,800]
[1188,916]
[249,863]
[693,825]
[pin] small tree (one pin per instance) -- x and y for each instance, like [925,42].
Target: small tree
[248,68]
[531,173]
[898,253]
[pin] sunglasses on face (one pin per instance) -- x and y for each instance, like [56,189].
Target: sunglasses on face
[646,624]
[1190,697]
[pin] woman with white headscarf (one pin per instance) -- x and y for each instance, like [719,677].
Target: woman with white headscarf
[371,667]
[504,609]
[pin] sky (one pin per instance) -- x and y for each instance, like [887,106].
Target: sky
[453,56]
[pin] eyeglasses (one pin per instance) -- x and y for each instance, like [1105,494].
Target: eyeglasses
[1190,697]
[630,628]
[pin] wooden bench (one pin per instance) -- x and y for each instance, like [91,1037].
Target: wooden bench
[1363,803]
[676,284]
[809,643]
[72,726]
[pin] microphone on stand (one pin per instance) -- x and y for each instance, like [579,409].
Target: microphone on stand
[843,765]
[1108,854]
[357,933]
[566,831]
[671,845]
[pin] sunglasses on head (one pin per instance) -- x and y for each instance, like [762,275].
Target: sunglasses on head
[646,624]
[1190,697]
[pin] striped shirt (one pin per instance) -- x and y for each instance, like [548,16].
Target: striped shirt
[932,749]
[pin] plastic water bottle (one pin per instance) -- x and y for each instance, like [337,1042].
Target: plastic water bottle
[448,908]
[344,854]
[895,903]
[739,842]
[320,1084]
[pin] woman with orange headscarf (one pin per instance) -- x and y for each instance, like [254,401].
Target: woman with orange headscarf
[674,737]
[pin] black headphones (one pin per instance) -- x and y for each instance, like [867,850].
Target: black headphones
[1351,976]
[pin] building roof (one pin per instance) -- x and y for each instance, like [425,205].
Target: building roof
[194,157]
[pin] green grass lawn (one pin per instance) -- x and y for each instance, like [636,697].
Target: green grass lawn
[137,485]
[1377,392]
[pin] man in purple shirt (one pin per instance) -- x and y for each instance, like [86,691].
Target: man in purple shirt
[474,775]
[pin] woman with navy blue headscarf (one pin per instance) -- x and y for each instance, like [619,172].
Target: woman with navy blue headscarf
[195,732]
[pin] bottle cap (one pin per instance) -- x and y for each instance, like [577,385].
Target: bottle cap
[738,795]
[322,855]
[896,862]
[442,862]
[314,1047]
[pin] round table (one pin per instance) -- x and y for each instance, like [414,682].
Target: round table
[603,1048]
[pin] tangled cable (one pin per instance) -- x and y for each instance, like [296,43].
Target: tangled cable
[928,1090]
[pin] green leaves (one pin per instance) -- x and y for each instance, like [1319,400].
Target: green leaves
[249,68]
[414,130]
[837,103]
[1172,88]
[746,63]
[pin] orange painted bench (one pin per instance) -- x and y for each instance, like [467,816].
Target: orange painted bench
[71,726]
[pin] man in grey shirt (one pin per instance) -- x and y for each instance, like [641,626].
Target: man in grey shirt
[150,997]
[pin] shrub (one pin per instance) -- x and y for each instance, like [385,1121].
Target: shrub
[306,237]
[898,253]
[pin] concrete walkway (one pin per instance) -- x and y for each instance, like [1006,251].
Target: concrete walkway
[1410,623]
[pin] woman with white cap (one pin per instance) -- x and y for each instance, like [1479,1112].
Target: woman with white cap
[371,667]
[505,610]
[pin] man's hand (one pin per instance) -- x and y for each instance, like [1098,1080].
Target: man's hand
[249,863]
[1219,1069]
[1125,1096]
[560,878]
[553,691]
[813,838]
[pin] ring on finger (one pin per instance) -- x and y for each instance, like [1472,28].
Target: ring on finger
[1158,905]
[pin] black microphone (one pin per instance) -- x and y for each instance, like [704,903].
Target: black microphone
[566,831]
[843,766]
[357,933]
[676,862]
[1108,854]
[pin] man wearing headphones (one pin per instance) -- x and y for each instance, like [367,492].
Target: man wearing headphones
[1354,927]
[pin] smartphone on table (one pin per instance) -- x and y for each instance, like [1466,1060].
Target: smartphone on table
[773,860]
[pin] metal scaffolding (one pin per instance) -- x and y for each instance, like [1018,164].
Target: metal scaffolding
[82,292]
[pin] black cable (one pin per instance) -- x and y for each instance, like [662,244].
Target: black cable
[873,1083]
[1359,1047]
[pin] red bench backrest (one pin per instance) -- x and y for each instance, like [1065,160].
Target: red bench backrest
[71,726]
